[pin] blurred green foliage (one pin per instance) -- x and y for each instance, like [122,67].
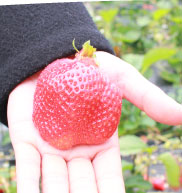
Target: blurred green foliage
[7,179]
[172,169]
[144,33]
[134,145]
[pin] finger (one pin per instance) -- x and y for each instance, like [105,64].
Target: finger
[27,168]
[142,93]
[81,176]
[108,171]
[151,99]
[54,174]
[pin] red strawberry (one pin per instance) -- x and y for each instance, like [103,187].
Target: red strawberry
[74,104]
[158,183]
[2,191]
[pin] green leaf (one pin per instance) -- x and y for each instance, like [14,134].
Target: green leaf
[148,74]
[148,43]
[108,15]
[126,165]
[121,130]
[6,138]
[172,169]
[150,149]
[155,55]
[158,14]
[163,4]
[176,60]
[137,181]
[147,121]
[4,172]
[130,36]
[170,77]
[179,95]
[143,21]
[128,125]
[131,144]
[134,59]
[13,187]
[177,19]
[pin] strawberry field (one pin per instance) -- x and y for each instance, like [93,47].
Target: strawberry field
[146,34]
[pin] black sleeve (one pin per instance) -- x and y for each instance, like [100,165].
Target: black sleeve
[32,36]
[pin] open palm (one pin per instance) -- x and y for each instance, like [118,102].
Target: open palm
[93,168]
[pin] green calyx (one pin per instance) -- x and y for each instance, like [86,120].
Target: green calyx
[87,51]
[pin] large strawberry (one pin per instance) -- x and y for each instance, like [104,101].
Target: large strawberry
[74,103]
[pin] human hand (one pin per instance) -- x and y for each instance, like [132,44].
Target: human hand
[91,169]
[83,168]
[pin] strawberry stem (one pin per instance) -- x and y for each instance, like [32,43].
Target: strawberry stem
[73,43]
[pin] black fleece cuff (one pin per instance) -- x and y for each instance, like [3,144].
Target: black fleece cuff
[32,36]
